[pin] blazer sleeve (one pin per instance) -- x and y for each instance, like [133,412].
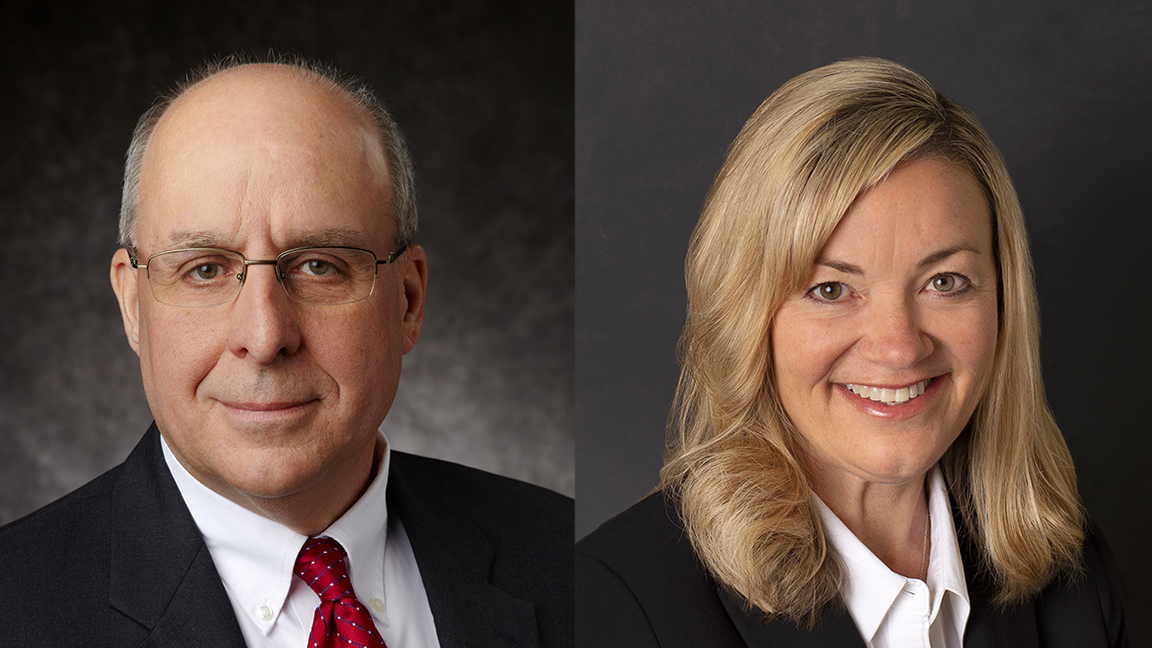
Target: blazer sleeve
[1077,610]
[1106,578]
[607,612]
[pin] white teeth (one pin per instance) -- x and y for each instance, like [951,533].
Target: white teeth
[890,396]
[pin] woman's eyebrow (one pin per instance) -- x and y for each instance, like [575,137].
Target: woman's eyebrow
[841,266]
[937,257]
[931,259]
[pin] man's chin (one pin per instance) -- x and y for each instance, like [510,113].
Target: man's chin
[267,476]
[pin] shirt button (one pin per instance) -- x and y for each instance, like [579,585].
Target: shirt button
[264,613]
[377,605]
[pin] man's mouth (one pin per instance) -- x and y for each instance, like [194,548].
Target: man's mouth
[270,406]
[889,395]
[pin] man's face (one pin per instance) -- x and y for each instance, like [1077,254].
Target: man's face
[264,398]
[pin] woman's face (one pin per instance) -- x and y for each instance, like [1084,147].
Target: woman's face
[882,358]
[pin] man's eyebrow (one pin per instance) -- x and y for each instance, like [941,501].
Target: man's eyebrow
[336,236]
[931,259]
[332,236]
[190,238]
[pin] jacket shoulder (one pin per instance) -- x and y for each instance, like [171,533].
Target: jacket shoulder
[57,559]
[638,583]
[1085,608]
[52,534]
[503,501]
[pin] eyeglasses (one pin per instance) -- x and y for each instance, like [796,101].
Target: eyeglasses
[203,277]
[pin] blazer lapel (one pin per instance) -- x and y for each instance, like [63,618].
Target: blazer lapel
[835,629]
[989,626]
[161,574]
[455,558]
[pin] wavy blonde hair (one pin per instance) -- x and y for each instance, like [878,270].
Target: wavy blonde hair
[732,463]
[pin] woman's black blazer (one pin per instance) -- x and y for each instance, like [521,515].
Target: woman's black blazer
[639,585]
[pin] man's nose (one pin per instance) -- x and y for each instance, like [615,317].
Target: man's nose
[264,319]
[894,335]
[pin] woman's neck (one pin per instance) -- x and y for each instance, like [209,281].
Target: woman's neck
[890,519]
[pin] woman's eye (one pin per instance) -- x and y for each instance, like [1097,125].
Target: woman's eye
[829,291]
[944,283]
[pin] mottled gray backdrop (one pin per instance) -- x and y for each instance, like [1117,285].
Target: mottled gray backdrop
[1064,87]
[485,97]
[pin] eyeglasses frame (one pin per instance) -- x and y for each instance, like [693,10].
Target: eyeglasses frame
[280,276]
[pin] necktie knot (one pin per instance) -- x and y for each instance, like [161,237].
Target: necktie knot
[322,565]
[340,620]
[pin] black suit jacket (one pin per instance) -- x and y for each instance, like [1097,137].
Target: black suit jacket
[639,584]
[120,561]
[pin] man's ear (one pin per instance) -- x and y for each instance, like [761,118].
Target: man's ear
[414,282]
[125,284]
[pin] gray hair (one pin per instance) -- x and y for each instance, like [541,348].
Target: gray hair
[395,147]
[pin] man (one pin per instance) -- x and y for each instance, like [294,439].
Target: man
[270,286]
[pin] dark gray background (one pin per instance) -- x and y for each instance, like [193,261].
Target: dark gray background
[1063,88]
[485,97]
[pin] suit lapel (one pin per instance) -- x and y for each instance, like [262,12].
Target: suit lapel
[160,572]
[835,630]
[989,626]
[455,559]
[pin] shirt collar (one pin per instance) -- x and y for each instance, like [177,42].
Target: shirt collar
[945,568]
[871,588]
[255,556]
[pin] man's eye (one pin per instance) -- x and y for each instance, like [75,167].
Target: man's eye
[318,268]
[829,291]
[207,271]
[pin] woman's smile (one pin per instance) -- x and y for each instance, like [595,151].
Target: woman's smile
[891,402]
[889,395]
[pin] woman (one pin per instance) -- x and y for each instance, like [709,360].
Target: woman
[861,453]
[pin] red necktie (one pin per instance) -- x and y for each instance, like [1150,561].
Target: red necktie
[341,620]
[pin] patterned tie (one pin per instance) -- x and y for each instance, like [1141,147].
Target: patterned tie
[341,620]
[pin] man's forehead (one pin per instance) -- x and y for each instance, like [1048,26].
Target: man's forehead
[265,158]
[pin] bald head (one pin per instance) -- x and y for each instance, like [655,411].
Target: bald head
[232,101]
[265,102]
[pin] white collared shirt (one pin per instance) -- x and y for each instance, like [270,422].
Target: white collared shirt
[892,611]
[255,557]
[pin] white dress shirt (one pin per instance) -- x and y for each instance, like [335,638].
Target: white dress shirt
[892,611]
[255,557]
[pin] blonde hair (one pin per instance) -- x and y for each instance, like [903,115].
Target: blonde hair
[732,464]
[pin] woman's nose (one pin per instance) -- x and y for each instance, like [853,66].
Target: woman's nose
[894,336]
